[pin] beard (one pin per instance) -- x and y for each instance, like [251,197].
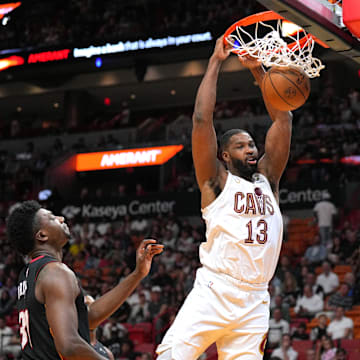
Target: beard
[244,169]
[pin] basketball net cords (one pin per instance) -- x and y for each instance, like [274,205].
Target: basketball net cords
[273,50]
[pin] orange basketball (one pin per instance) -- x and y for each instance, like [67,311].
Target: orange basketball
[286,88]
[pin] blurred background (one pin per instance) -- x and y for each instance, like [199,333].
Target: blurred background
[119,78]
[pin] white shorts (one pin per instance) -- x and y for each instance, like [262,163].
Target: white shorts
[224,310]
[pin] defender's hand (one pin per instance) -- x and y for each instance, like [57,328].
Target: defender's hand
[144,255]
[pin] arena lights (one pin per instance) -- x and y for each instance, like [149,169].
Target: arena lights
[84,53]
[8,8]
[98,62]
[150,43]
[11,61]
[350,160]
[126,158]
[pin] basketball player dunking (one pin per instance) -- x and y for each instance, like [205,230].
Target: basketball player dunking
[54,321]
[229,303]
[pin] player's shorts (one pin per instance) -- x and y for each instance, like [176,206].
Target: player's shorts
[220,309]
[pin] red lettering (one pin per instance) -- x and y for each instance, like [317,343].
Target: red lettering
[250,204]
[269,206]
[237,195]
[48,56]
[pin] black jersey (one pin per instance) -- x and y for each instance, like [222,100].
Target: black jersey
[37,342]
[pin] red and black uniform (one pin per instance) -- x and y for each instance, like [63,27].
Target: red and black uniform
[37,343]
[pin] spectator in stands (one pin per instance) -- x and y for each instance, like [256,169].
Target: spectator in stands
[140,311]
[336,250]
[6,303]
[283,306]
[340,298]
[283,267]
[316,253]
[285,351]
[309,304]
[290,288]
[300,332]
[341,327]
[341,354]
[113,334]
[10,343]
[351,243]
[127,351]
[310,279]
[169,240]
[325,212]
[354,291]
[310,354]
[325,349]
[161,278]
[328,280]
[277,327]
[321,329]
[155,302]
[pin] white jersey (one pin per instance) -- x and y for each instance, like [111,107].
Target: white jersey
[243,230]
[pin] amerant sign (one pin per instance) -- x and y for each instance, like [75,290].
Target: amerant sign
[114,159]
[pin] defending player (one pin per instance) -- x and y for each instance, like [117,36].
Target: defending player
[53,318]
[229,303]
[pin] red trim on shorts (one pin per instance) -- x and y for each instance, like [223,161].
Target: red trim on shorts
[37,258]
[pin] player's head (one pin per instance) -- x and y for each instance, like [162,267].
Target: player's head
[239,152]
[30,226]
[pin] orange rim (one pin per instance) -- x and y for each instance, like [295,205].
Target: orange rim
[268,16]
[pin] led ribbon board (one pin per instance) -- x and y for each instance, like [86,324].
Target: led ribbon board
[21,58]
[106,160]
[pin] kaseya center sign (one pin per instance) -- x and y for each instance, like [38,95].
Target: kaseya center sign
[115,159]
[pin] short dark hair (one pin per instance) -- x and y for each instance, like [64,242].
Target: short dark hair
[22,225]
[224,138]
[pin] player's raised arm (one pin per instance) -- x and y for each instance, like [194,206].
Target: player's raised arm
[278,137]
[204,144]
[107,304]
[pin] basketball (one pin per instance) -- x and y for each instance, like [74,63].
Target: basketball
[286,88]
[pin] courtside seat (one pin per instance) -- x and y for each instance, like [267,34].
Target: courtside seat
[139,333]
[145,348]
[354,354]
[301,346]
[147,328]
[342,269]
[350,344]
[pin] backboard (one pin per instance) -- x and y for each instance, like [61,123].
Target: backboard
[322,18]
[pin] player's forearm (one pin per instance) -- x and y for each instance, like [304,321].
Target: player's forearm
[107,304]
[206,95]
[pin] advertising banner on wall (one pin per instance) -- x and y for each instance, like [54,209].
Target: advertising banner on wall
[305,197]
[181,204]
[105,160]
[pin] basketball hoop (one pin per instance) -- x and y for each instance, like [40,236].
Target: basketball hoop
[283,45]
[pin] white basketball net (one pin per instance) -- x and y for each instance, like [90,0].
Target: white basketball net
[272,49]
